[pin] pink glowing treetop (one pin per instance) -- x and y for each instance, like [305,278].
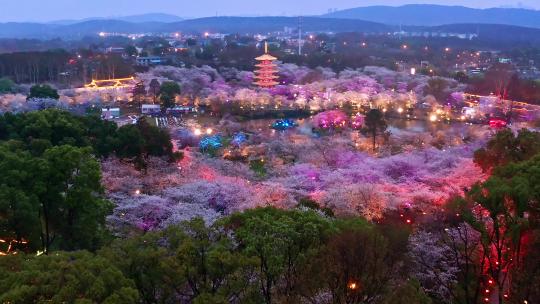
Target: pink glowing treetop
[357,121]
[333,119]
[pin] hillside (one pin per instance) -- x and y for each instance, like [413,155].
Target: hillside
[495,33]
[152,17]
[214,24]
[431,15]
[270,24]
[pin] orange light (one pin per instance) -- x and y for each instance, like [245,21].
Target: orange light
[352,285]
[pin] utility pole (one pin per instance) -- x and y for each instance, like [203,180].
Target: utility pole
[300,35]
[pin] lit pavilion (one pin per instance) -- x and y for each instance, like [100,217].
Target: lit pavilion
[265,73]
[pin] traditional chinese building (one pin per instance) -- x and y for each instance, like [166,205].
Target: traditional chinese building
[266,70]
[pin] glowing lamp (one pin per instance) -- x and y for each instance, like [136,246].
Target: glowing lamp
[209,131]
[433,118]
[353,285]
[400,110]
[197,132]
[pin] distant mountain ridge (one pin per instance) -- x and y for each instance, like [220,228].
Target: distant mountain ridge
[152,17]
[243,25]
[434,15]
[496,33]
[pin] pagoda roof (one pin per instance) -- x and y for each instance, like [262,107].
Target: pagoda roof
[271,65]
[266,57]
[266,77]
[266,84]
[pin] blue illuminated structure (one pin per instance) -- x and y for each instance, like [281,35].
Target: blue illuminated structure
[210,143]
[284,124]
[239,138]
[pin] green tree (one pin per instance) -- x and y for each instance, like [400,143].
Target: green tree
[154,89]
[51,195]
[130,143]
[52,201]
[100,134]
[72,207]
[78,277]
[168,92]
[437,86]
[374,125]
[407,293]
[157,141]
[138,142]
[19,205]
[131,50]
[55,126]
[190,261]
[139,92]
[497,209]
[282,242]
[6,85]
[505,148]
[357,264]
[43,91]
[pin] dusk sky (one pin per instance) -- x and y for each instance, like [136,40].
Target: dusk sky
[41,10]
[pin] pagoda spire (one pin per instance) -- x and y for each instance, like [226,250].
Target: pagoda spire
[266,70]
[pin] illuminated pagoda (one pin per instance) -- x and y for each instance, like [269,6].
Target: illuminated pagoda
[265,74]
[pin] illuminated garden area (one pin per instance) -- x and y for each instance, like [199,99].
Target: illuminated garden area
[363,186]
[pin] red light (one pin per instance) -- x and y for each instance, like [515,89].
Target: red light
[497,123]
[409,221]
[490,281]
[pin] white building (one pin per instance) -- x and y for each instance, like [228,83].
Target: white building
[150,109]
